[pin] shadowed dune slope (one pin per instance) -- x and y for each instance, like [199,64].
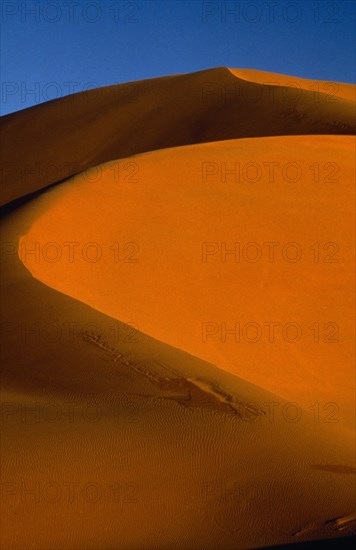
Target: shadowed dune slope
[96,126]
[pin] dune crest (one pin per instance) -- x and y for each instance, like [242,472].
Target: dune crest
[210,105]
[332,90]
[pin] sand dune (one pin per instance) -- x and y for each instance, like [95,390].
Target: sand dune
[175,280]
[127,419]
[111,433]
[127,119]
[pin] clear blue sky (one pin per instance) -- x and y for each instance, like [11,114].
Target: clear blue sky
[52,47]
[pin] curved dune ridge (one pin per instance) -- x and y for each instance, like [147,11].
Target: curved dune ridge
[127,119]
[160,257]
[178,342]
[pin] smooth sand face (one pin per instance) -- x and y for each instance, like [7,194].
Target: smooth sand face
[114,436]
[288,302]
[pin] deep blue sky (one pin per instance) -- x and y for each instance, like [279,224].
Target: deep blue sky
[56,46]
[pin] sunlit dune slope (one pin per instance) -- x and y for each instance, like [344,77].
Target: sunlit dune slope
[330,90]
[93,127]
[277,312]
[112,436]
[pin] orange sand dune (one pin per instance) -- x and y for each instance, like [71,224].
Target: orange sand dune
[288,304]
[153,114]
[111,439]
[177,328]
